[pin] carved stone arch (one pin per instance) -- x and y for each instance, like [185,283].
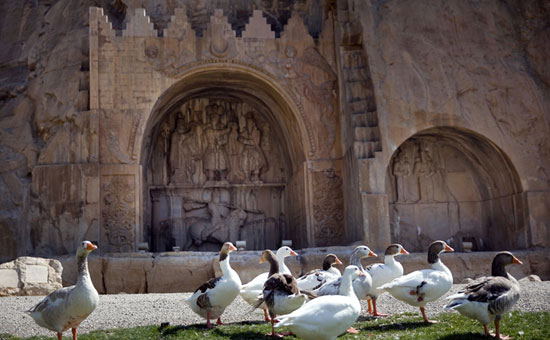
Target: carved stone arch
[454,184]
[182,204]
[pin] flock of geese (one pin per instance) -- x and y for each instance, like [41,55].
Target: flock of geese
[323,303]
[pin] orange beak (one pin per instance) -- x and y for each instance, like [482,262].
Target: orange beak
[516,261]
[293,253]
[232,247]
[372,254]
[261,260]
[361,274]
[338,261]
[404,252]
[90,246]
[448,249]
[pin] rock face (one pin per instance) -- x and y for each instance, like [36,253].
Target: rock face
[322,122]
[30,276]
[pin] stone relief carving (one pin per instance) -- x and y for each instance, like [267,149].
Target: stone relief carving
[118,213]
[252,160]
[328,209]
[216,165]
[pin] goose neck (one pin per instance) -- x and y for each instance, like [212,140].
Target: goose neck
[389,260]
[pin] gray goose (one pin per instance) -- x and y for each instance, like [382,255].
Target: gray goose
[67,307]
[488,298]
[280,293]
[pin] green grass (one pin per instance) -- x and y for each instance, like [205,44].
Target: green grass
[451,326]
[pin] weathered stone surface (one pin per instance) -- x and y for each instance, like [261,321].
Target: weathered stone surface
[127,274]
[95,267]
[30,276]
[179,272]
[531,278]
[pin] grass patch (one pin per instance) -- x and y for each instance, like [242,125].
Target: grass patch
[451,326]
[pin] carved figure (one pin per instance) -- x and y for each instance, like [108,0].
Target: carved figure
[215,161]
[252,159]
[401,170]
[424,168]
[226,230]
[185,150]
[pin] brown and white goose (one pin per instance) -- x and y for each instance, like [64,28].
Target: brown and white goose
[423,286]
[213,296]
[67,307]
[488,298]
[317,277]
[281,293]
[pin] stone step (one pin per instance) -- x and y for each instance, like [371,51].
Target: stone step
[366,134]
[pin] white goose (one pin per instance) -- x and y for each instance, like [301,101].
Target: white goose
[488,298]
[423,286]
[317,277]
[213,296]
[383,273]
[361,285]
[250,291]
[326,317]
[67,307]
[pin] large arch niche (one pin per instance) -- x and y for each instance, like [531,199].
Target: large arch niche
[453,184]
[222,160]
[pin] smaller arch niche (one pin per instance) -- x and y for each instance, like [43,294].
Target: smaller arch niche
[451,184]
[218,170]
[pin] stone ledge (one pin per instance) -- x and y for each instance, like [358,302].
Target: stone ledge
[172,272]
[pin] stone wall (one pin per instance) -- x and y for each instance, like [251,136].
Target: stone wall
[173,272]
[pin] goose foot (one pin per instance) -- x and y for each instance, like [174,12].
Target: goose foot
[497,331]
[425,317]
[375,313]
[208,324]
[352,330]
[487,333]
[219,321]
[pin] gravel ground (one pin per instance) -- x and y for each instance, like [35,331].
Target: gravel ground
[129,310]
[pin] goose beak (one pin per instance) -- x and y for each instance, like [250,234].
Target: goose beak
[404,252]
[293,253]
[361,273]
[90,246]
[261,260]
[372,254]
[232,247]
[516,261]
[448,249]
[338,261]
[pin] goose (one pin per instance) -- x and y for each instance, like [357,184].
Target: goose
[361,285]
[212,297]
[67,307]
[488,298]
[280,292]
[317,277]
[426,285]
[382,273]
[250,291]
[326,317]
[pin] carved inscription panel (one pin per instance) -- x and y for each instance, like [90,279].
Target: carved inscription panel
[217,174]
